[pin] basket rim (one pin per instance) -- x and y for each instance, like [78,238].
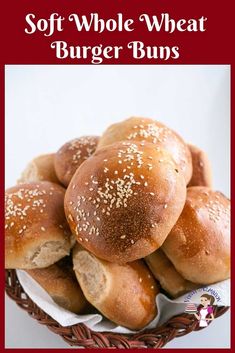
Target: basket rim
[81,336]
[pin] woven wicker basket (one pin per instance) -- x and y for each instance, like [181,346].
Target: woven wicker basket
[80,335]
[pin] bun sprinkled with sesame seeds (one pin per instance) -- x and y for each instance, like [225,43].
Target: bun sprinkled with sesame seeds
[36,232]
[144,129]
[202,174]
[40,168]
[71,155]
[199,243]
[123,201]
[123,293]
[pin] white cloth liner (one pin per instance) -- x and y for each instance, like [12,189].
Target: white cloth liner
[166,308]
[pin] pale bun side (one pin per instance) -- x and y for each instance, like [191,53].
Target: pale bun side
[199,243]
[164,271]
[71,155]
[125,294]
[36,231]
[202,172]
[40,168]
[149,130]
[60,282]
[123,201]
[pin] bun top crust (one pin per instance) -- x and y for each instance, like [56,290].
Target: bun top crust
[71,155]
[199,243]
[144,129]
[40,168]
[36,231]
[123,201]
[202,173]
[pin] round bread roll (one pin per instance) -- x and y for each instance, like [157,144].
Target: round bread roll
[170,280]
[144,129]
[71,155]
[125,294]
[199,243]
[202,174]
[123,201]
[36,232]
[60,282]
[40,168]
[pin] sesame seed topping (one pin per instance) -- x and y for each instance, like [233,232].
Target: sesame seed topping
[151,132]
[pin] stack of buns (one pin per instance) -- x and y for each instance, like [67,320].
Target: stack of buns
[108,222]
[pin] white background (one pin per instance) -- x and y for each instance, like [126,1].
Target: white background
[49,105]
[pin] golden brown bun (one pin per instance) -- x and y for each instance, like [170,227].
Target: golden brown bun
[144,129]
[61,284]
[202,173]
[72,154]
[170,280]
[36,232]
[123,293]
[123,201]
[40,168]
[199,243]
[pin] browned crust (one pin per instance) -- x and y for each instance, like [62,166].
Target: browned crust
[202,173]
[149,130]
[61,284]
[123,293]
[199,243]
[40,168]
[35,222]
[71,155]
[122,214]
[164,271]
